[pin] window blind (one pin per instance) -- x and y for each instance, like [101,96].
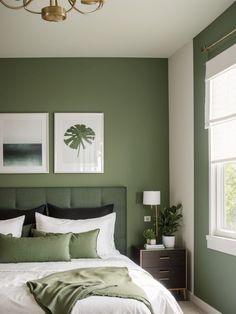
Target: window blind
[221,62]
[220,106]
[220,102]
[223,141]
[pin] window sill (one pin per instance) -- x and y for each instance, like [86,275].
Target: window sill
[221,244]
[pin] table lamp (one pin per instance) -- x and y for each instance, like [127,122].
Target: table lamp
[152,198]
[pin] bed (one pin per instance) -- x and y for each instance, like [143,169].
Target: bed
[15,297]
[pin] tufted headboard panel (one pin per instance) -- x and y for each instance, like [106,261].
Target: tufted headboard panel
[72,197]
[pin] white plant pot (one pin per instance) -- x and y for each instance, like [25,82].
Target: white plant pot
[168,241]
[151,241]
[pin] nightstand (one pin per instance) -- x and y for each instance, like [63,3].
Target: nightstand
[168,266]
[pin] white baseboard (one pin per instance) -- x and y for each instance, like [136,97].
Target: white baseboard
[203,305]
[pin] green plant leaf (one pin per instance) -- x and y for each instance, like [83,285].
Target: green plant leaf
[76,135]
[168,221]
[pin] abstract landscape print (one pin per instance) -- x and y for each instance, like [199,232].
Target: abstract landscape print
[78,142]
[24,143]
[22,154]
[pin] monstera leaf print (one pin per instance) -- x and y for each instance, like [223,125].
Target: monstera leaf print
[77,134]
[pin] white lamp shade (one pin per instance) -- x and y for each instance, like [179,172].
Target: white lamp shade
[151,197]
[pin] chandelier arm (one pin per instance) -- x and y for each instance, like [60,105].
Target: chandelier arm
[72,3]
[25,3]
[84,12]
[31,11]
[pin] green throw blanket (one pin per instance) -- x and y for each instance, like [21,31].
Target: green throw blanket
[58,293]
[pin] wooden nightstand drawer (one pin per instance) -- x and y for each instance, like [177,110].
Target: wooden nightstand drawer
[174,277]
[162,258]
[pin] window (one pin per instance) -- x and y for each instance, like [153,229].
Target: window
[221,124]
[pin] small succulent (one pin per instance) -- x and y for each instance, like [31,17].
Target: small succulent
[149,234]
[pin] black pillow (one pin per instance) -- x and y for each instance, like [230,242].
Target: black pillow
[8,213]
[79,213]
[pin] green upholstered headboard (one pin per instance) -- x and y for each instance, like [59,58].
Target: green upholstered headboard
[72,197]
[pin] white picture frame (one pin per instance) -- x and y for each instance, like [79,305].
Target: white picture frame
[78,142]
[24,143]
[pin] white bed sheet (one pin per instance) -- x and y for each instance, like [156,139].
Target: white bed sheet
[15,297]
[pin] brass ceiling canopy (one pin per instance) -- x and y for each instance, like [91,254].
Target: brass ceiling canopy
[55,12]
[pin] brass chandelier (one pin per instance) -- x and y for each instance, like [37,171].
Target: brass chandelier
[54,12]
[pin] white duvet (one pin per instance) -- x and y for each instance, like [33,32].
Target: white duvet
[15,297]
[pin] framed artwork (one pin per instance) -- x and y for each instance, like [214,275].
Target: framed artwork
[24,143]
[79,143]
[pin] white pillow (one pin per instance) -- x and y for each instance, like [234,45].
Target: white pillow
[106,224]
[13,226]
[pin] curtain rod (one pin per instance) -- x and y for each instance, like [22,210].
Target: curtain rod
[206,48]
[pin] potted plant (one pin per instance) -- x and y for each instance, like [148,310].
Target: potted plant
[169,223]
[150,236]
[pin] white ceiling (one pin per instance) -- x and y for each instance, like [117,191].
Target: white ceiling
[123,28]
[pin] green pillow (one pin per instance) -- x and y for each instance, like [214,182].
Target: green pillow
[26,230]
[43,249]
[82,245]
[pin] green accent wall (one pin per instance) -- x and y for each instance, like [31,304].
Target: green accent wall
[132,93]
[214,272]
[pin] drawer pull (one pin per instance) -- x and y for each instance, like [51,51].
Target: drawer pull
[164,257]
[164,271]
[164,279]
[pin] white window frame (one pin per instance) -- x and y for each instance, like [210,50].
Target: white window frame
[218,239]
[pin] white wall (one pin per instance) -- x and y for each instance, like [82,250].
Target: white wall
[182,145]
